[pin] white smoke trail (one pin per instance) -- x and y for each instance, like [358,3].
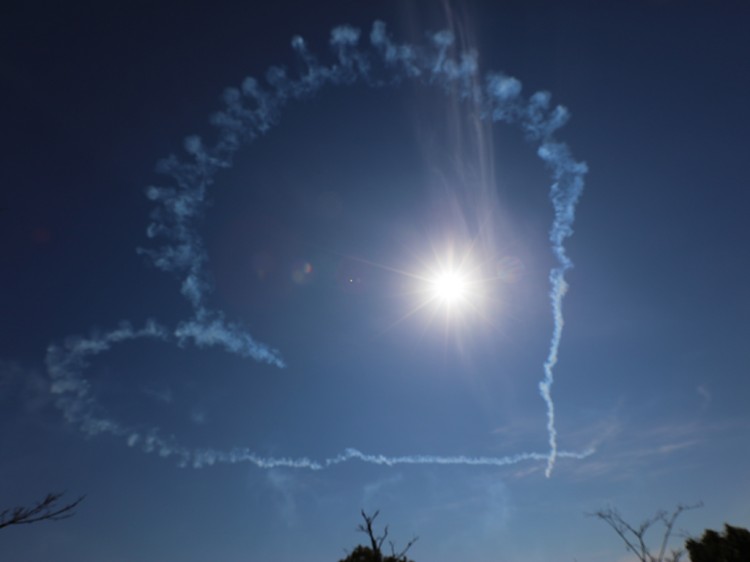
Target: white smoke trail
[251,111]
[66,364]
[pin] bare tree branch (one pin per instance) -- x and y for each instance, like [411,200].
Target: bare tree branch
[635,538]
[669,525]
[47,509]
[377,541]
[402,554]
[383,537]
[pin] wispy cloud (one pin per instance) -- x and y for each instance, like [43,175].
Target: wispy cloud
[198,416]
[286,487]
[162,394]
[23,389]
[373,492]
[705,395]
[624,450]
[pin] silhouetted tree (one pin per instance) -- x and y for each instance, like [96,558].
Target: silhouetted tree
[635,537]
[374,552]
[48,509]
[731,546]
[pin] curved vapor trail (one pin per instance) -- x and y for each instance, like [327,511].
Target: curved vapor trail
[67,363]
[251,111]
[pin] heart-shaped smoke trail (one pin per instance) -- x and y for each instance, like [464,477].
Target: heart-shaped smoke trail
[251,111]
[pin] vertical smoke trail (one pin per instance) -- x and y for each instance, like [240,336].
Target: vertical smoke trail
[249,112]
[473,146]
[565,192]
[539,124]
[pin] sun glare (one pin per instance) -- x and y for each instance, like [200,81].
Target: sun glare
[453,289]
[450,287]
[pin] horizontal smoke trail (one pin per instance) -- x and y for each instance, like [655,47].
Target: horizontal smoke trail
[249,112]
[67,363]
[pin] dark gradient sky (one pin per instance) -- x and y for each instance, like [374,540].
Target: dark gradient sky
[312,238]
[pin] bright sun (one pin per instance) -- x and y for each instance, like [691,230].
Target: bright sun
[453,288]
[450,287]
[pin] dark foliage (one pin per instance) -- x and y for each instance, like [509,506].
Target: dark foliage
[733,545]
[366,554]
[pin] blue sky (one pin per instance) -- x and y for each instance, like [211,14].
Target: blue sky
[309,326]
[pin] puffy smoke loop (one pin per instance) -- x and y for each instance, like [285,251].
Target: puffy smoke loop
[249,112]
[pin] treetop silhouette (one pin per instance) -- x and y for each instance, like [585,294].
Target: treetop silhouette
[374,552]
